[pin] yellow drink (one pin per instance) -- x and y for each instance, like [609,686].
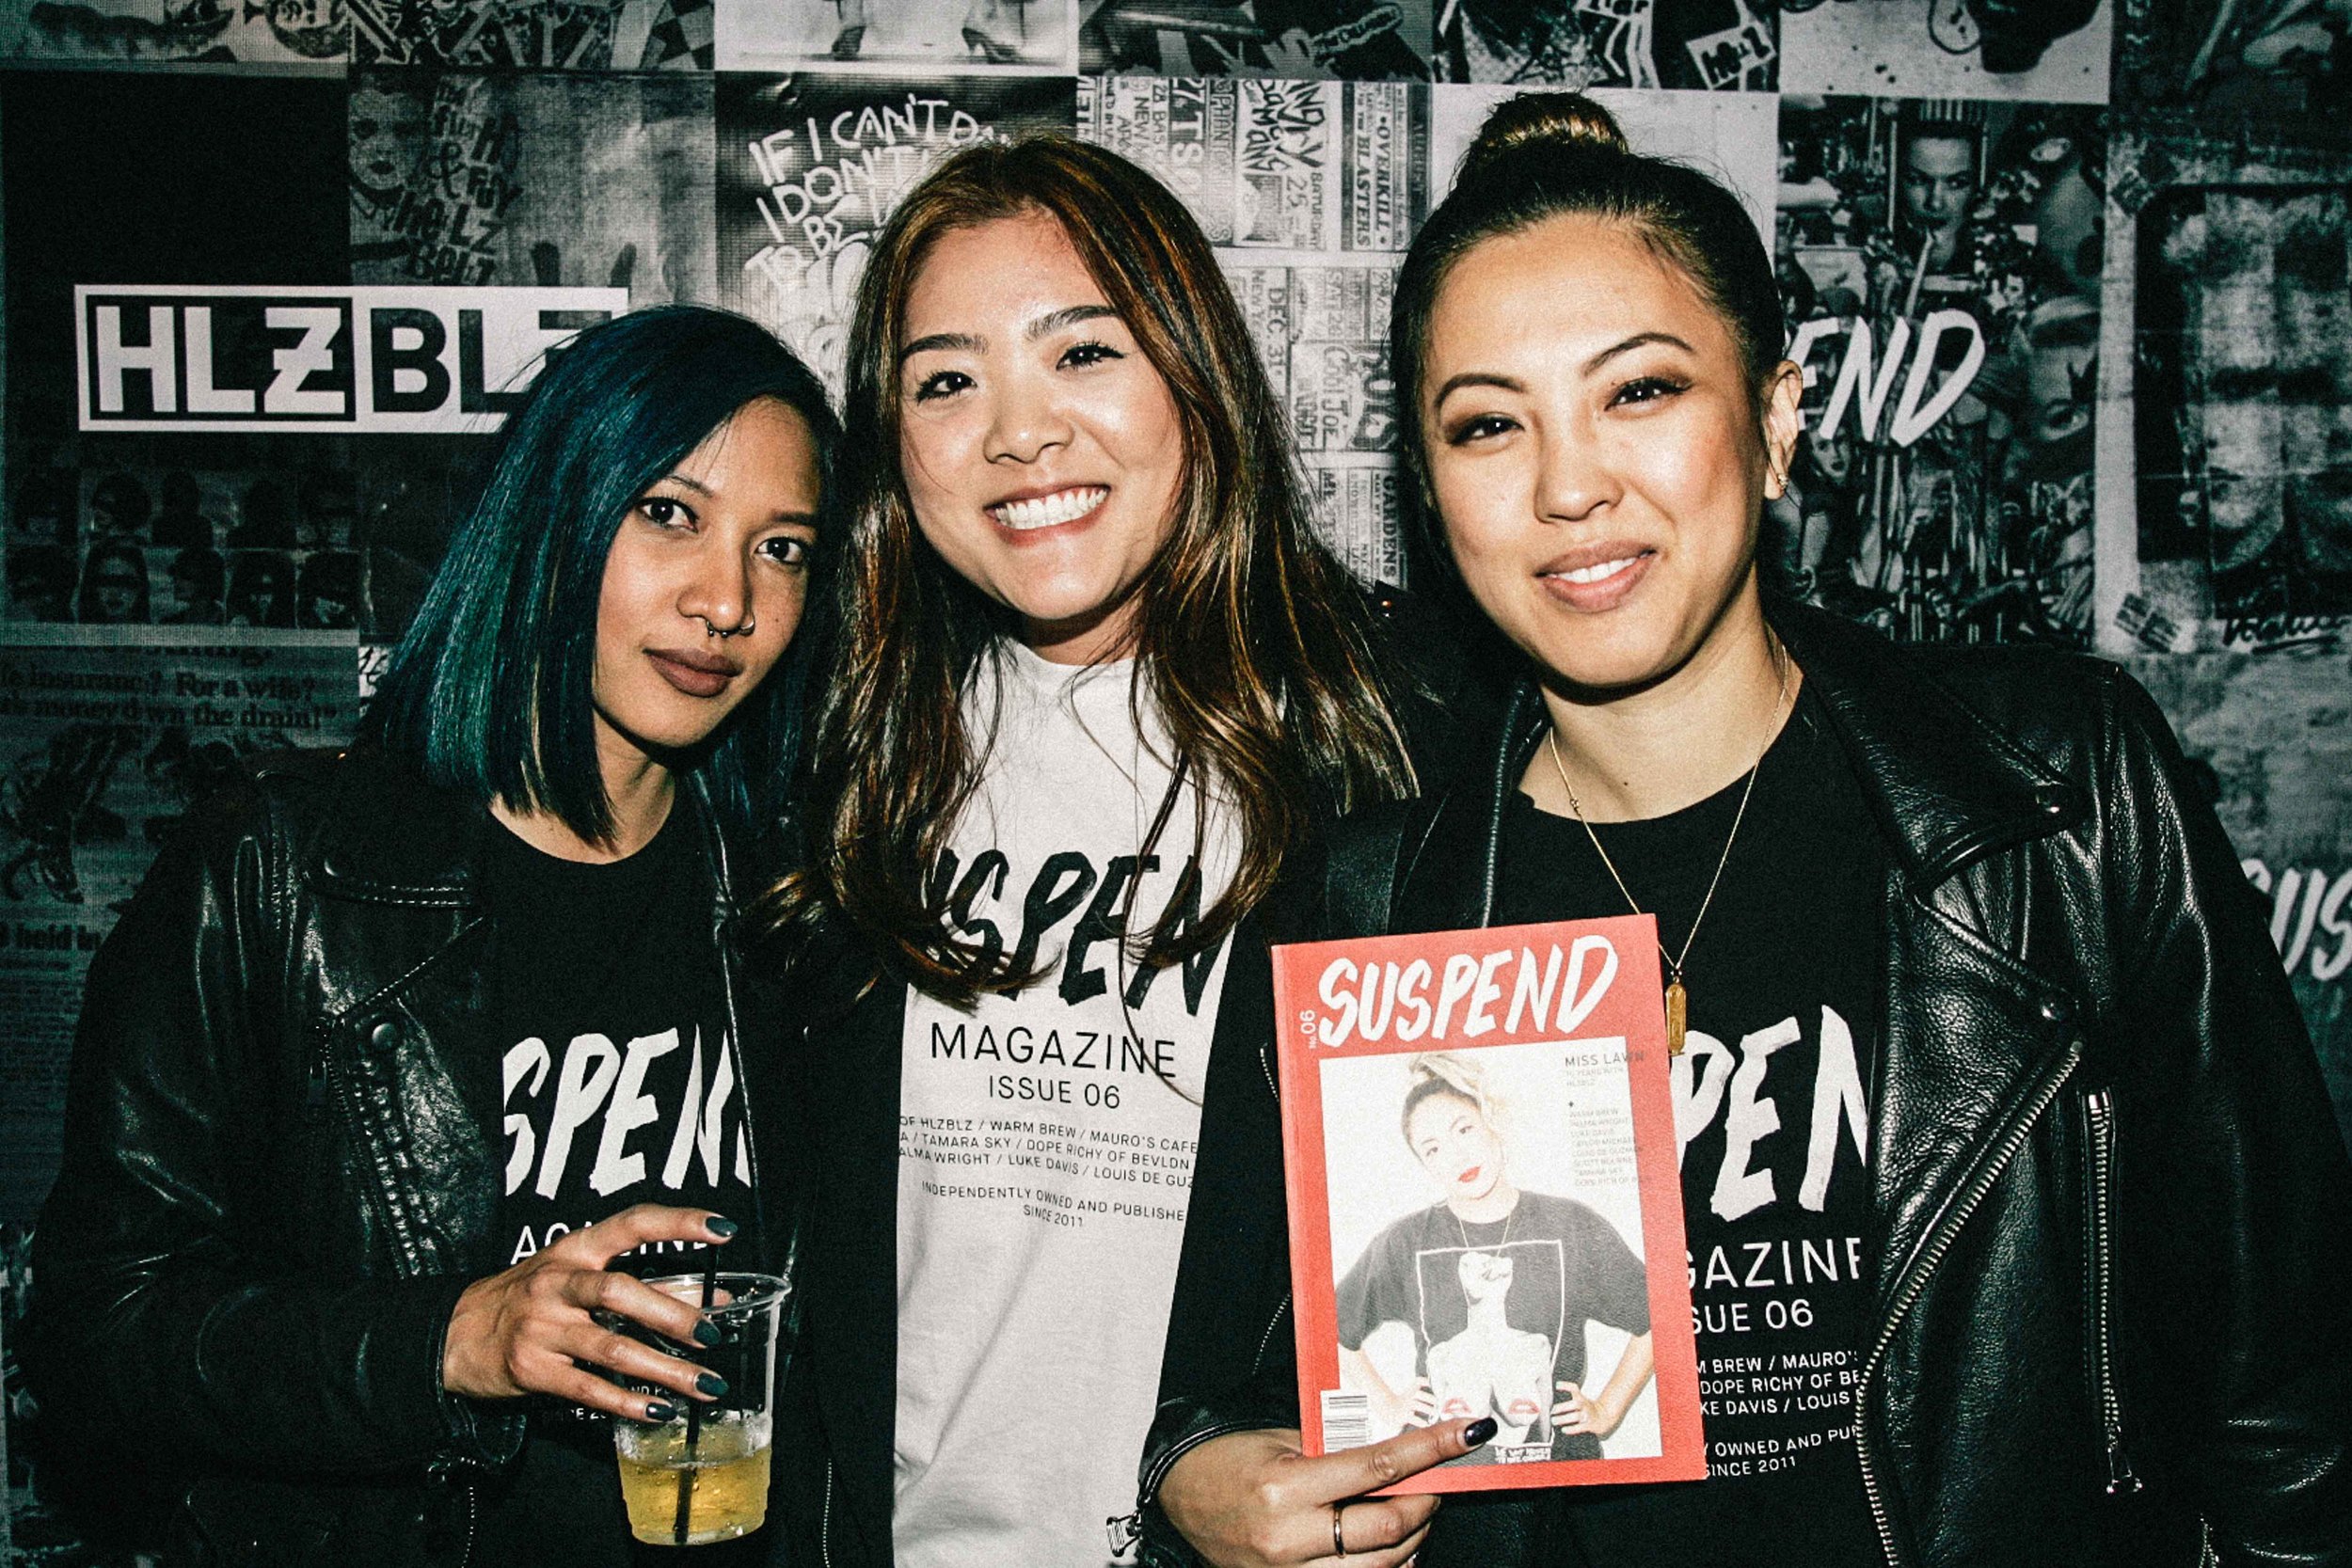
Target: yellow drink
[727,1480]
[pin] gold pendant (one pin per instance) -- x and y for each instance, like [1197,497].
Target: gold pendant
[1678,1015]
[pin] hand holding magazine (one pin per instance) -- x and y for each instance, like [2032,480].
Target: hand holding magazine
[1479,1144]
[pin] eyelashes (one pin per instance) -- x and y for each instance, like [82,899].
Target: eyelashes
[1647,388]
[1078,356]
[939,384]
[1632,394]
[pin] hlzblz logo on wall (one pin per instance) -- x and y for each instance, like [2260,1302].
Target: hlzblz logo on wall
[169,356]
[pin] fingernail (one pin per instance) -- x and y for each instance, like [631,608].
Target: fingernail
[658,1413]
[711,1383]
[707,1333]
[1479,1431]
[720,1227]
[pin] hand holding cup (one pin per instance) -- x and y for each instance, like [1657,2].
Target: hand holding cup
[531,1329]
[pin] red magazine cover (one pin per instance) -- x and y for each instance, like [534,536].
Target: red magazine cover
[1486,1214]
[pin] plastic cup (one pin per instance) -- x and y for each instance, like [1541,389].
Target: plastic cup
[703,1477]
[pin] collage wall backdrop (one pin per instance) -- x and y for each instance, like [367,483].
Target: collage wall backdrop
[2070,283]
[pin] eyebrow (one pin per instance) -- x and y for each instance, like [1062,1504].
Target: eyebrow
[1070,315]
[1639,339]
[1044,325]
[1489,378]
[943,342]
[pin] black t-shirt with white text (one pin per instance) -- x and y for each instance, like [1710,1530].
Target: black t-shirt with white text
[619,1084]
[1568,1267]
[1771,1119]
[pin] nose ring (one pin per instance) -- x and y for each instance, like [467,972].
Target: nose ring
[711,628]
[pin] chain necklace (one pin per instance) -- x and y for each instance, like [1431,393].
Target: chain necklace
[1499,1246]
[1677,997]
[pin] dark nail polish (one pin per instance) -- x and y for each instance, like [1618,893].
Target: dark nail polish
[707,1333]
[658,1413]
[720,1227]
[1479,1431]
[711,1383]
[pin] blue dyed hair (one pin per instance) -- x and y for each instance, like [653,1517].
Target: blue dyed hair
[490,691]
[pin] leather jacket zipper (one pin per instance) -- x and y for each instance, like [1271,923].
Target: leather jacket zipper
[2099,1117]
[473,1524]
[1940,1242]
[824,1520]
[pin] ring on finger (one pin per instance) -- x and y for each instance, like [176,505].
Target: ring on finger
[1339,1546]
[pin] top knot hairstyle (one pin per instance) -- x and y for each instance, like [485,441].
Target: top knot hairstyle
[1559,154]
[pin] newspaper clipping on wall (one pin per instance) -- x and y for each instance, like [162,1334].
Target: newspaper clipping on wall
[106,739]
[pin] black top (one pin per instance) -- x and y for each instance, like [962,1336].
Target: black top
[619,1086]
[1771,1114]
[1569,1266]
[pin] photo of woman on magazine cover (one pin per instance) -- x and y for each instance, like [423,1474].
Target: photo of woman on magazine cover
[1493,1283]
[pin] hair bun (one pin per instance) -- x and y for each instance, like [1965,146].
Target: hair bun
[1542,119]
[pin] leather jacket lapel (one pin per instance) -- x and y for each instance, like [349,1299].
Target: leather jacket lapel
[421,1112]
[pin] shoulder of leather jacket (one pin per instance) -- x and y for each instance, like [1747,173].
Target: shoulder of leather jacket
[1963,751]
[362,824]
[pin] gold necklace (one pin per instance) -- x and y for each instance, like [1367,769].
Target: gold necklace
[1677,997]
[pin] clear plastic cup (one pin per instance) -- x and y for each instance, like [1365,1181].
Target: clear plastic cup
[703,1476]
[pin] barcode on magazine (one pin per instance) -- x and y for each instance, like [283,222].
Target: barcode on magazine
[1346,1420]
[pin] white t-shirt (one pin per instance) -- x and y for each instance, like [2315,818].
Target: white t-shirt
[1046,1137]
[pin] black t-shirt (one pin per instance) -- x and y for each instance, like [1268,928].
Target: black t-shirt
[620,1084]
[1772,1115]
[1567,1266]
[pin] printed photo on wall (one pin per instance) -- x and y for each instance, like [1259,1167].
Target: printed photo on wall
[1302,40]
[535,35]
[2263,59]
[462,178]
[158,31]
[2055,52]
[1716,45]
[1485,1215]
[904,36]
[1939,263]
[2226,481]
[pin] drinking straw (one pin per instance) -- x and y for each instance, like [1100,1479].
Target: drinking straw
[694,1419]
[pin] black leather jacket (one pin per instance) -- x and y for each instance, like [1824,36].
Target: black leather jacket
[282,1164]
[2113,1266]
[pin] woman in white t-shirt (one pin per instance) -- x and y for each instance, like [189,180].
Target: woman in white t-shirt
[1096,681]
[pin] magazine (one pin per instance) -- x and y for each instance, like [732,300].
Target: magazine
[1479,1137]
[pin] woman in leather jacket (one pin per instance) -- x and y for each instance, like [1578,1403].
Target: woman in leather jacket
[403,1059]
[2015,1205]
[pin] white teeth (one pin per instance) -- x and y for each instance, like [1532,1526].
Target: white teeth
[1062,506]
[1595,574]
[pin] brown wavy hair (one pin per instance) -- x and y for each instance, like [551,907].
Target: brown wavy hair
[1256,647]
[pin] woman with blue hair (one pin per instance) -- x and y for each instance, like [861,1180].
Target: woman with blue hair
[402,1054]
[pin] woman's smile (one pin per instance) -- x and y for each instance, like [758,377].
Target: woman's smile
[1033,510]
[1595,577]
